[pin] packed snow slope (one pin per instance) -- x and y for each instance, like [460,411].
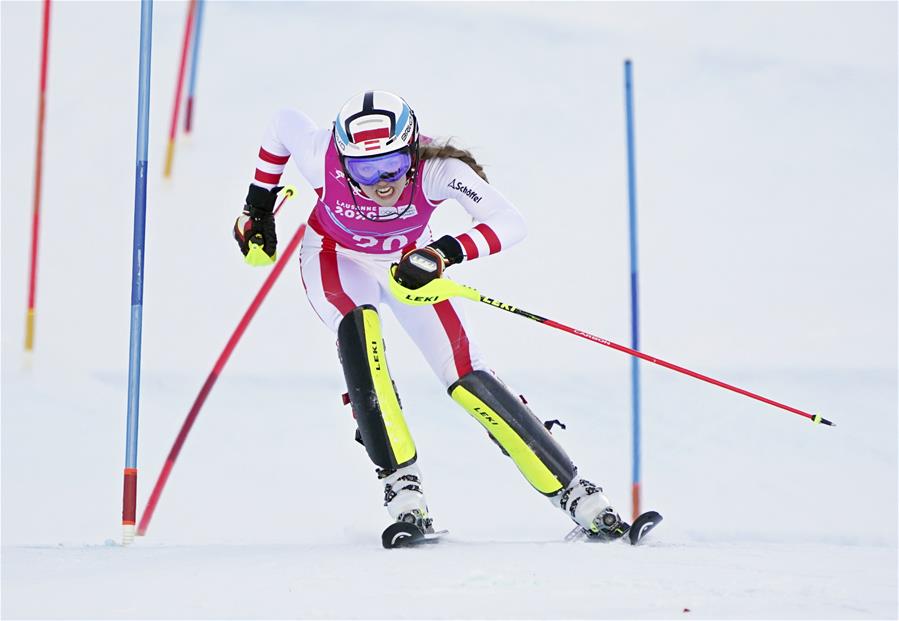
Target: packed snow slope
[767,179]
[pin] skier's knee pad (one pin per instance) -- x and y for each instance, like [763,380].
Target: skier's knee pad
[519,433]
[372,394]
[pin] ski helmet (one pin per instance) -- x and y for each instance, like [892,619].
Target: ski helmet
[375,123]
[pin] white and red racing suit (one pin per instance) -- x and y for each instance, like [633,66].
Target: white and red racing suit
[351,241]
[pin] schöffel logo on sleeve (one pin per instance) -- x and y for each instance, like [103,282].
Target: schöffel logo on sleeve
[464,189]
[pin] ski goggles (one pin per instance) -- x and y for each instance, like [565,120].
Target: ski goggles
[370,170]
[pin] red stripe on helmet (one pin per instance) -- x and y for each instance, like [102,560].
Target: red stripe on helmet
[452,325]
[371,134]
[492,240]
[271,158]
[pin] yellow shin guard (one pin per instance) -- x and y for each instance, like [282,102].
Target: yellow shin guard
[373,396]
[521,435]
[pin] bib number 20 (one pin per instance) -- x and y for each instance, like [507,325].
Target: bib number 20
[388,244]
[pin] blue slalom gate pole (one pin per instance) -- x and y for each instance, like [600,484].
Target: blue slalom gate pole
[195,54]
[129,498]
[635,299]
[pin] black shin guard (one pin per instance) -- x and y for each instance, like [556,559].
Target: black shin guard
[372,395]
[519,433]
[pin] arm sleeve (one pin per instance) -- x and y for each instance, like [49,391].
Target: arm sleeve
[498,223]
[291,134]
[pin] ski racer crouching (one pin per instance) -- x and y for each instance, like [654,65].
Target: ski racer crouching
[378,182]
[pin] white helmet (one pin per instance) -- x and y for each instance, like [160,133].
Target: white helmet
[375,123]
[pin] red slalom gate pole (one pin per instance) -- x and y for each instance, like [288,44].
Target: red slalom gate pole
[38,176]
[213,377]
[170,150]
[192,82]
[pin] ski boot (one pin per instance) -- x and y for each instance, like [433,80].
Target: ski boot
[596,520]
[404,498]
[406,504]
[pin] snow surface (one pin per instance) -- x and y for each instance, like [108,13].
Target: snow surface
[767,177]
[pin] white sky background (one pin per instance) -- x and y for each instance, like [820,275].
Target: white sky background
[766,164]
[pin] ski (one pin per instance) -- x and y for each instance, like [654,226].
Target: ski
[406,535]
[644,523]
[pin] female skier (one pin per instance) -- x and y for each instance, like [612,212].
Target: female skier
[378,182]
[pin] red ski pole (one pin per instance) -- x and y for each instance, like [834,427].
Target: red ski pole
[216,371]
[442,288]
[816,418]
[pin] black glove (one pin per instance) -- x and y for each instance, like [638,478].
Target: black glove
[420,266]
[256,224]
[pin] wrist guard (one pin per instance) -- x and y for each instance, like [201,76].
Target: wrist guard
[261,202]
[449,248]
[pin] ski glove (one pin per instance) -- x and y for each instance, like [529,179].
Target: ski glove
[420,266]
[254,229]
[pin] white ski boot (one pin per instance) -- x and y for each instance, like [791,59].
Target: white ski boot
[585,503]
[404,498]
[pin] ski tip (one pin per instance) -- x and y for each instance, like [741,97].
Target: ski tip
[400,534]
[644,523]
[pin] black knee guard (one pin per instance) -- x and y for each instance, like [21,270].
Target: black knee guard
[371,391]
[519,433]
